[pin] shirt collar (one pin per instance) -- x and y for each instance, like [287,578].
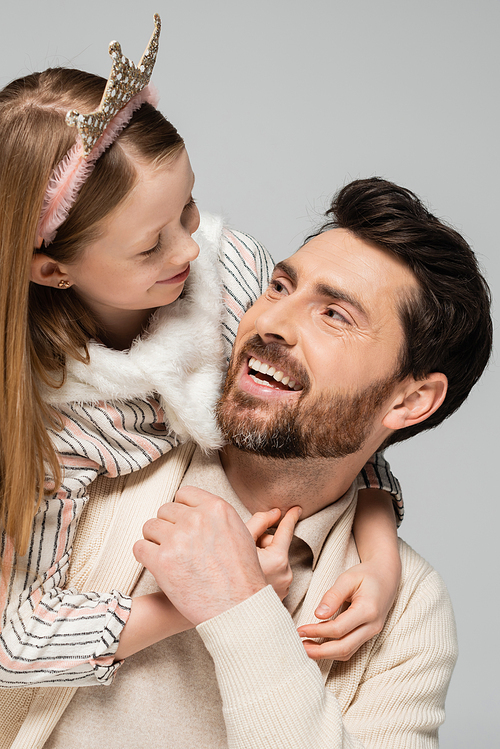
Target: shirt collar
[315,529]
[206,472]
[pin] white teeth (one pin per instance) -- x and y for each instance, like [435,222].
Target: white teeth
[261,382]
[279,376]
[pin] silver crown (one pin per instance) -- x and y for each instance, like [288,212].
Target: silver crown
[125,81]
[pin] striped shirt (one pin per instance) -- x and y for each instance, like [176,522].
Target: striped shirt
[58,636]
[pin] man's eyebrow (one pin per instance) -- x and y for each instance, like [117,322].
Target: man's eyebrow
[286,268]
[324,289]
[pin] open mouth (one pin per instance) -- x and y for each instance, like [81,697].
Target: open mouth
[269,376]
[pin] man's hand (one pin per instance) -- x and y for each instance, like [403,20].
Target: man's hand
[201,554]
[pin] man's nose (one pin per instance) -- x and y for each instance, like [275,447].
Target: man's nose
[279,322]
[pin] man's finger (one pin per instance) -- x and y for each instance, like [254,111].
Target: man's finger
[145,552]
[171,511]
[284,531]
[192,496]
[156,529]
[261,521]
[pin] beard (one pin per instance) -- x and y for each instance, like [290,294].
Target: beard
[333,424]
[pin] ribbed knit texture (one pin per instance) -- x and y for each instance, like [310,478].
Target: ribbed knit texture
[114,563]
[389,695]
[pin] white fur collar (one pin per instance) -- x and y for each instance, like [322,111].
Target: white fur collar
[180,358]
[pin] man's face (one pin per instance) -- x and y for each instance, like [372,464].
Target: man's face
[314,362]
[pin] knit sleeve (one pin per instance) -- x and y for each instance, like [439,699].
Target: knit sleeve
[399,701]
[377,474]
[274,697]
[51,634]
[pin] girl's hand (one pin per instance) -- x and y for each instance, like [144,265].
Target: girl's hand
[370,588]
[273,549]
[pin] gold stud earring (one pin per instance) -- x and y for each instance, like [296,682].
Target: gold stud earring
[64,284]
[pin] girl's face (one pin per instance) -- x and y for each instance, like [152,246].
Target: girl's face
[141,260]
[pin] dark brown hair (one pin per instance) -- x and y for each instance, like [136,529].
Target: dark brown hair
[447,324]
[39,326]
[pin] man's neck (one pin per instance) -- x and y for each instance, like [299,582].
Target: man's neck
[313,483]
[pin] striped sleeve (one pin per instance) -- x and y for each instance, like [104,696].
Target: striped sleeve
[377,474]
[246,268]
[50,635]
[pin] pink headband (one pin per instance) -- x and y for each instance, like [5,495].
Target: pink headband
[127,89]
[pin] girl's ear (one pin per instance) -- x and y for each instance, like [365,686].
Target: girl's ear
[46,272]
[419,400]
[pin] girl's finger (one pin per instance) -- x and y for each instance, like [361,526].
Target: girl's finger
[261,521]
[351,620]
[339,650]
[341,592]
[265,540]
[284,532]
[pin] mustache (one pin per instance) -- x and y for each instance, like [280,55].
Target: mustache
[277,355]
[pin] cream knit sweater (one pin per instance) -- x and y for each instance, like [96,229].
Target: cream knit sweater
[243,680]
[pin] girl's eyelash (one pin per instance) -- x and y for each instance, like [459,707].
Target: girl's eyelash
[157,246]
[153,249]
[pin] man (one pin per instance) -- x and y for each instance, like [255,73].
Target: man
[374,330]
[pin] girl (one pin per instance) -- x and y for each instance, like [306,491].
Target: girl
[112,348]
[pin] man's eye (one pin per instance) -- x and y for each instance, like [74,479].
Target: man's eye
[277,286]
[336,315]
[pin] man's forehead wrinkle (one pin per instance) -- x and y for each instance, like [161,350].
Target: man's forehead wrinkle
[383,278]
[325,272]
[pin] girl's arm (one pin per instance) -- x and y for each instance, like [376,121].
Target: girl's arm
[369,587]
[152,618]
[51,632]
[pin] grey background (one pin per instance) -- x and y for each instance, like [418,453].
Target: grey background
[281,102]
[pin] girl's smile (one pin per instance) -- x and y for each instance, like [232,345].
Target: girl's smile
[142,257]
[179,278]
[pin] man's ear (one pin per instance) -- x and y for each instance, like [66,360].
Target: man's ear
[47,272]
[417,401]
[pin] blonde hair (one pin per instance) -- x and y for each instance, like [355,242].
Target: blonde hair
[39,325]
